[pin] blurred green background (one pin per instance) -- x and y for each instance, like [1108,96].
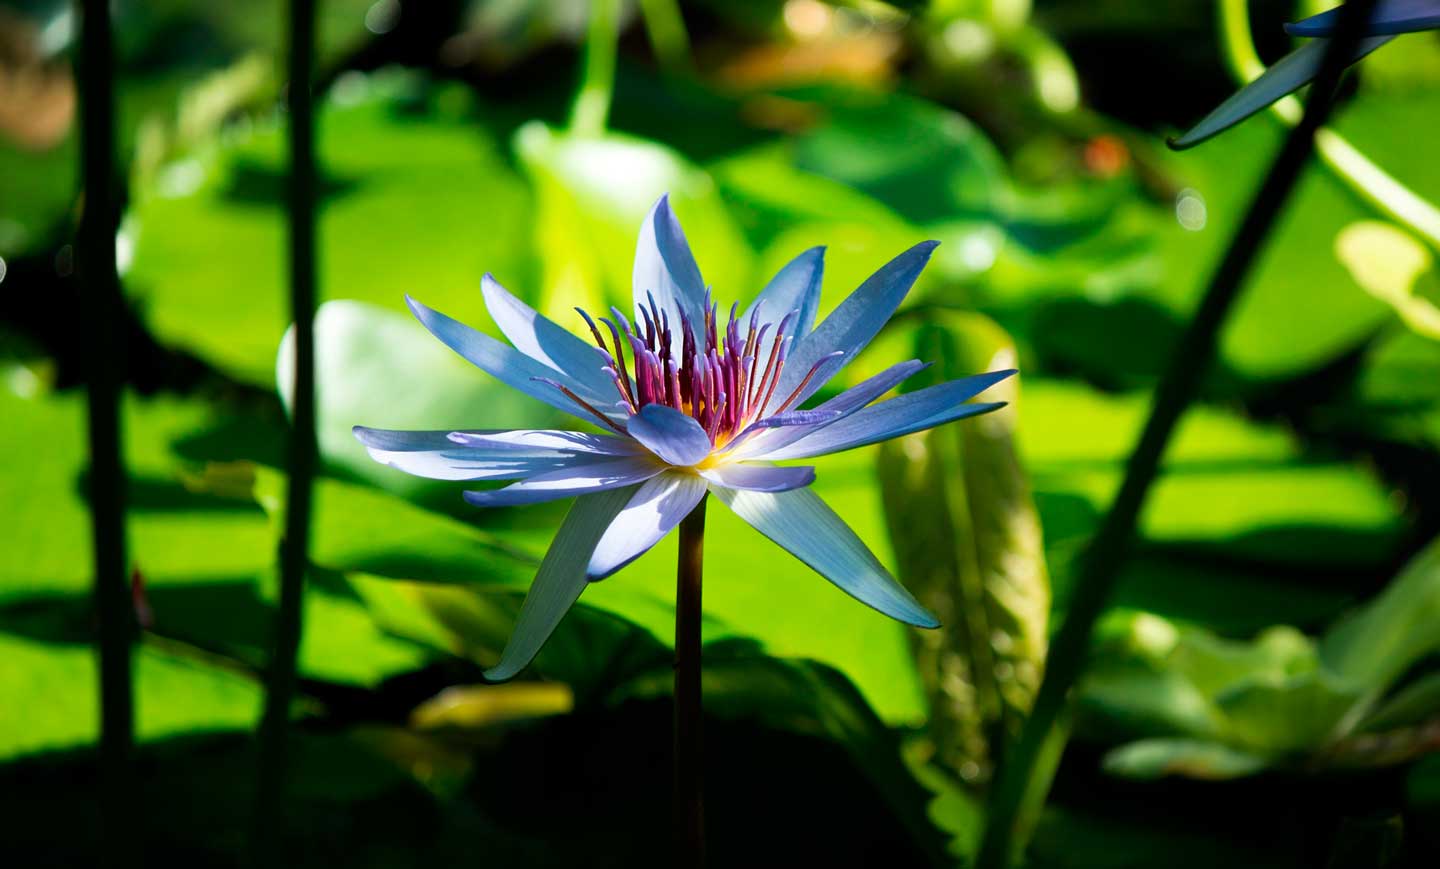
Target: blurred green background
[1264,691]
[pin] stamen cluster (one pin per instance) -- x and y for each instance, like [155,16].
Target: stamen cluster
[723,383]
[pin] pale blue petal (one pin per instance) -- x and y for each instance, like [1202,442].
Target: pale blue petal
[505,363]
[665,268]
[543,340]
[837,408]
[857,320]
[862,431]
[673,436]
[440,455]
[656,508]
[759,478]
[802,524]
[560,579]
[796,287]
[578,478]
[1288,74]
[797,418]
[912,412]
[1389,17]
[541,440]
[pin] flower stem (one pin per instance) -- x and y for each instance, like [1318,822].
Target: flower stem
[689,803]
[103,308]
[592,105]
[293,557]
[1101,564]
[666,28]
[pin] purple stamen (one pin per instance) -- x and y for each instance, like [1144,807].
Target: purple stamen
[724,378]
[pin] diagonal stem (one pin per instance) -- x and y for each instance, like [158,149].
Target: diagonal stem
[668,39]
[689,802]
[1107,551]
[280,680]
[103,316]
[591,111]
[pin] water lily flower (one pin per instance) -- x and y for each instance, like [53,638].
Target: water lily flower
[1298,68]
[685,404]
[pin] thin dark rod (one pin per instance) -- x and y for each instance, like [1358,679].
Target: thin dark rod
[689,788]
[1193,357]
[301,460]
[103,315]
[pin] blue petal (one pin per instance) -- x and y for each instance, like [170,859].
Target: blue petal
[797,418]
[851,325]
[759,478]
[801,523]
[796,287]
[673,436]
[1288,74]
[907,413]
[560,579]
[540,441]
[1389,17]
[542,340]
[578,478]
[505,363]
[665,267]
[443,455]
[837,408]
[657,507]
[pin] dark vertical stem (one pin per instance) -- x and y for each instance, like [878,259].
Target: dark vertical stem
[1101,564]
[103,316]
[274,727]
[689,794]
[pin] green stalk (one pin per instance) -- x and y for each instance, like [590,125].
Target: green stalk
[1373,185]
[1106,553]
[592,104]
[103,312]
[689,792]
[666,28]
[280,680]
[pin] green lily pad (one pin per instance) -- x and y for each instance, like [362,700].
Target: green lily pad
[416,198]
[52,696]
[1229,486]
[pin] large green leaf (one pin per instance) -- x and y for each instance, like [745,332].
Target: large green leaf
[202,558]
[52,696]
[176,537]
[1230,490]
[928,163]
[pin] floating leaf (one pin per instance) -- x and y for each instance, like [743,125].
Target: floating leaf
[415,197]
[176,694]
